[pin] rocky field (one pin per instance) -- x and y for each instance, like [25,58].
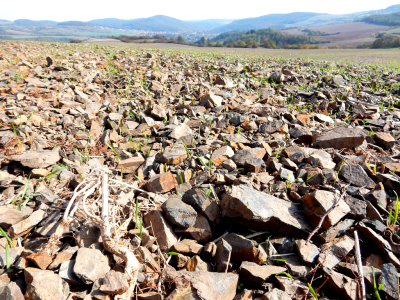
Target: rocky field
[135,174]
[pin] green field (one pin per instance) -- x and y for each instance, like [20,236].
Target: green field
[384,57]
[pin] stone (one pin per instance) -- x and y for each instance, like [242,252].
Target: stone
[222,154]
[378,195]
[321,159]
[41,259]
[358,208]
[385,139]
[252,273]
[44,285]
[130,165]
[244,294]
[95,293]
[9,216]
[11,292]
[356,175]
[180,131]
[243,249]
[272,126]
[200,231]
[158,112]
[188,247]
[319,202]
[164,233]
[174,154]
[324,119]
[222,256]
[66,272]
[115,283]
[339,138]
[208,285]
[201,202]
[161,183]
[308,252]
[276,294]
[254,165]
[210,100]
[62,256]
[197,264]
[23,227]
[90,265]
[260,210]
[343,286]
[242,156]
[332,253]
[390,280]
[37,159]
[15,253]
[293,287]
[178,212]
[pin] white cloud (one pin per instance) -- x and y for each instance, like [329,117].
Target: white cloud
[85,10]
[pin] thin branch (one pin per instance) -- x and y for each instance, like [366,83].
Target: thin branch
[359,265]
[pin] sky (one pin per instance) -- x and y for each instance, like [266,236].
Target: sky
[85,10]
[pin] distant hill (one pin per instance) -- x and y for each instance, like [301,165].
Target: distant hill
[156,24]
[161,23]
[300,19]
[267,21]
[73,23]
[392,19]
[30,23]
[205,25]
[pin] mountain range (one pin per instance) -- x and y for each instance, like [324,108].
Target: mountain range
[161,23]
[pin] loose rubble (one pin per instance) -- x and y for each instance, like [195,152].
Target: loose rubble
[169,175]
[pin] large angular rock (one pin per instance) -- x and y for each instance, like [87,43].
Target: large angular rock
[188,247]
[253,208]
[222,154]
[200,231]
[44,285]
[180,131]
[131,164]
[11,292]
[222,256]
[161,183]
[385,139]
[243,249]
[9,216]
[210,100]
[308,252]
[343,286]
[15,253]
[252,273]
[356,175]
[390,280]
[164,233]
[208,285]
[90,265]
[276,294]
[319,202]
[174,154]
[340,137]
[115,283]
[202,203]
[178,212]
[243,156]
[26,225]
[37,159]
[332,253]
